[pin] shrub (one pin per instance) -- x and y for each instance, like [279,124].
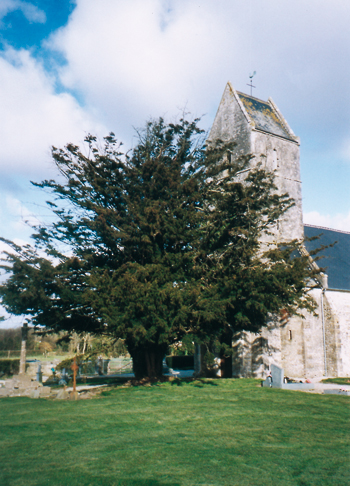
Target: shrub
[9,367]
[180,362]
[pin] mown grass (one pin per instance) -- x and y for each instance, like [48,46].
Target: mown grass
[216,432]
[339,381]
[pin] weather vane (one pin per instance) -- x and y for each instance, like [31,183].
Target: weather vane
[251,76]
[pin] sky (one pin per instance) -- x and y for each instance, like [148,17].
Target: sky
[73,67]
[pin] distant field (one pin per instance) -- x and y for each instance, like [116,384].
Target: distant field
[35,355]
[212,432]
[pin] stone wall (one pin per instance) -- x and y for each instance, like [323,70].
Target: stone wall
[282,157]
[339,304]
[231,124]
[314,346]
[275,153]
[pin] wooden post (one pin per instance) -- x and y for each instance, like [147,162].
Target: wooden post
[74,367]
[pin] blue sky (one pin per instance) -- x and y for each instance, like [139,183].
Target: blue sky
[72,67]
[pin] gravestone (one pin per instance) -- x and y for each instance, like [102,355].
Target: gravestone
[277,376]
[335,391]
[62,395]
[275,380]
[39,374]
[24,386]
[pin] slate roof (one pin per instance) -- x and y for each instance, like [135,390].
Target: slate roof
[264,116]
[336,260]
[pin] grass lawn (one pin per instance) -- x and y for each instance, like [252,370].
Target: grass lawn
[217,432]
[338,381]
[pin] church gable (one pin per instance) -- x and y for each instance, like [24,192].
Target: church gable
[265,117]
[258,128]
[232,122]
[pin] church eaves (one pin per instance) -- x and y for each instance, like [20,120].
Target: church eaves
[336,259]
[264,116]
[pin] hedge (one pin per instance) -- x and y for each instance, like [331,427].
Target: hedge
[180,362]
[9,367]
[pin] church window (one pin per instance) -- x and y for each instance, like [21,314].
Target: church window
[274,160]
[289,335]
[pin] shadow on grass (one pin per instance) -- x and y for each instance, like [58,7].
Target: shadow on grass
[143,482]
[196,382]
[200,382]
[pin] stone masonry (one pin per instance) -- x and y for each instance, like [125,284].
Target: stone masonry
[309,347]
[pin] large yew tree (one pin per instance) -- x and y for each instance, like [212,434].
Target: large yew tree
[157,242]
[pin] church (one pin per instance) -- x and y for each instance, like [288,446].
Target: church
[313,346]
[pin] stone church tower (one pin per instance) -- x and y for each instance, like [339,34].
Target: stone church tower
[315,346]
[259,129]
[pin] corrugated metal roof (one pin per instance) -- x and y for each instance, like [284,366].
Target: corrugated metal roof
[263,116]
[336,260]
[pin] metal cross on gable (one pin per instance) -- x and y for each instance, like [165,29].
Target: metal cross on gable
[251,76]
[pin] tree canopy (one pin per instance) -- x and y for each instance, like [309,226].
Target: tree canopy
[155,243]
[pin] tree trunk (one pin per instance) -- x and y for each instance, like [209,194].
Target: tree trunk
[148,361]
[226,358]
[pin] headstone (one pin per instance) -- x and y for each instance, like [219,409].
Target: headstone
[35,394]
[276,380]
[99,365]
[45,391]
[334,391]
[39,375]
[23,386]
[62,395]
[277,376]
[267,382]
[105,366]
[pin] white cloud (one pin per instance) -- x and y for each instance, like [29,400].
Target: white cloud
[30,11]
[339,221]
[139,59]
[19,215]
[131,60]
[150,57]
[34,117]
[5,247]
[11,321]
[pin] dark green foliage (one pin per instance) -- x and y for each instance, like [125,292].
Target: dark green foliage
[155,244]
[10,339]
[180,362]
[9,367]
